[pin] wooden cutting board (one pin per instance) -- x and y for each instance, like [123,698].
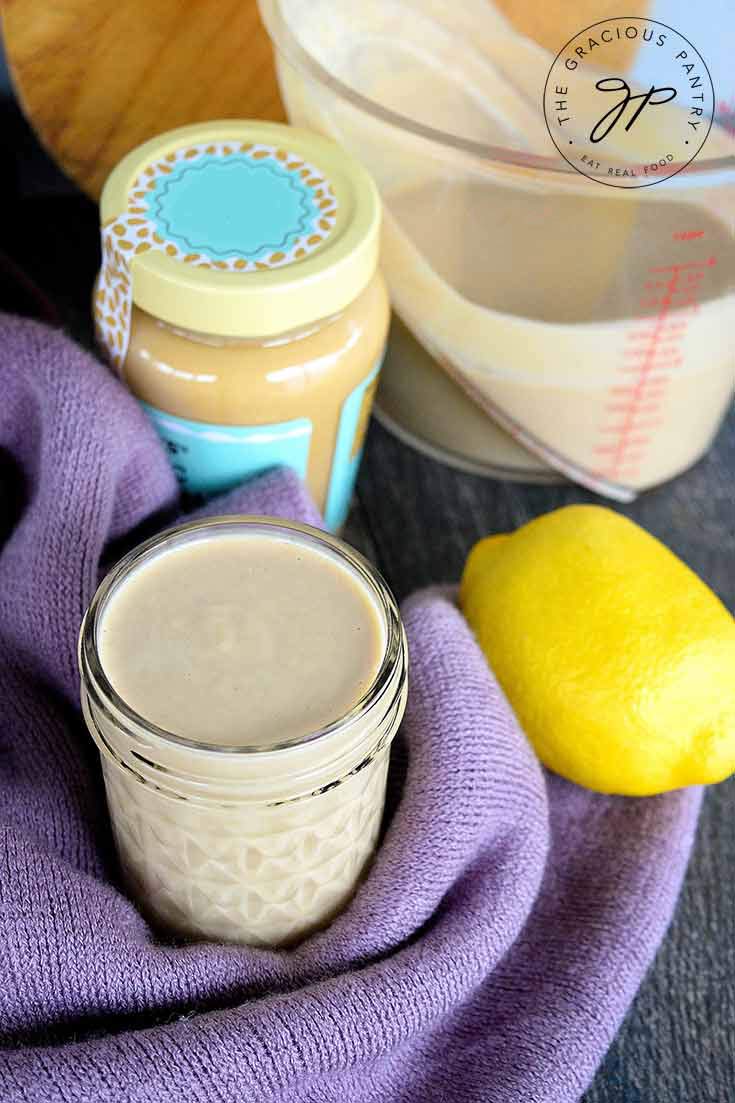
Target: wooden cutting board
[552,23]
[97,77]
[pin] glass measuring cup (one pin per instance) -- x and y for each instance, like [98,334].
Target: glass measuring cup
[589,322]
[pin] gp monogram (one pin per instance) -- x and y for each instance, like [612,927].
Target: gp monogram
[629,129]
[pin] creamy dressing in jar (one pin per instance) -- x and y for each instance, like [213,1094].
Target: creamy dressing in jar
[243,679]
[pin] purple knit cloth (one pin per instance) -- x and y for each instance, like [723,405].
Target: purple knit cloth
[489,956]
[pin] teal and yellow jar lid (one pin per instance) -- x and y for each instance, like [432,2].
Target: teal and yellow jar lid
[234,228]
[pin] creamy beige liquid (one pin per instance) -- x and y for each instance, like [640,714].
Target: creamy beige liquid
[529,287]
[533,320]
[241,641]
[246,640]
[444,421]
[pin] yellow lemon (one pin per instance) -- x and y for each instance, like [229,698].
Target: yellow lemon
[618,660]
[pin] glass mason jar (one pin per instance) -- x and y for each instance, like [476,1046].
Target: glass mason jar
[261,845]
[240,300]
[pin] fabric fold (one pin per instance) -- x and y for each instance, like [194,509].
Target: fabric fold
[489,955]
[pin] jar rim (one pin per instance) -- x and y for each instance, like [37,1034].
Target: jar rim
[95,678]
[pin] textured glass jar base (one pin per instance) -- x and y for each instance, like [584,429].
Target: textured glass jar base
[265,875]
[259,844]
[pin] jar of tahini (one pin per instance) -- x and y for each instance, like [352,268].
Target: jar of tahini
[240,300]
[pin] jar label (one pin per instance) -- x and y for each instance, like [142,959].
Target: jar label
[237,207]
[353,423]
[209,459]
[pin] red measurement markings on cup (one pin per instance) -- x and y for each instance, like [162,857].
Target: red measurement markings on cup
[653,353]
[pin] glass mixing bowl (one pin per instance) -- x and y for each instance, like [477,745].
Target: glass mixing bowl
[545,324]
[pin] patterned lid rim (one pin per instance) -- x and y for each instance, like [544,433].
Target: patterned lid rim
[245,296]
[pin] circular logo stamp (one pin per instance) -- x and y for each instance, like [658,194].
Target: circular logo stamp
[629,102]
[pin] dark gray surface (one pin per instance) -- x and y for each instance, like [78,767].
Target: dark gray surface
[417,519]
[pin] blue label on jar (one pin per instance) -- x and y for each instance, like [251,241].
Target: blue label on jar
[209,459]
[353,424]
